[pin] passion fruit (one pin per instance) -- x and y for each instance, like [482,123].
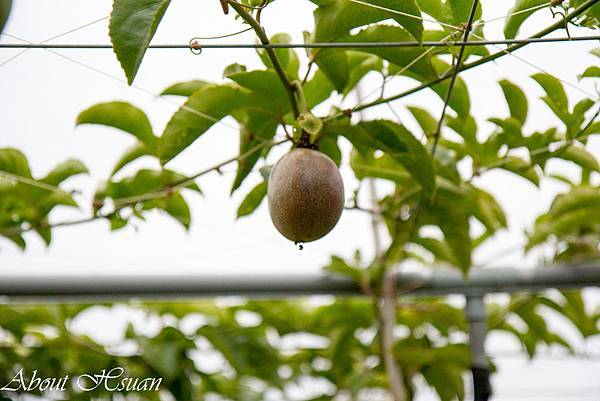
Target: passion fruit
[305,194]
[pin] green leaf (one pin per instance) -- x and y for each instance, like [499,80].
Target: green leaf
[253,200]
[426,121]
[514,21]
[287,57]
[359,65]
[185,88]
[384,167]
[256,128]
[575,212]
[581,157]
[63,171]
[402,146]
[328,145]
[334,64]
[461,9]
[132,26]
[317,89]
[510,133]
[133,153]
[123,116]
[14,161]
[233,69]
[591,72]
[178,208]
[201,111]
[556,97]
[335,18]
[516,99]
[450,214]
[521,167]
[268,93]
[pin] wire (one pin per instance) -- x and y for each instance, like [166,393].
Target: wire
[52,38]
[149,92]
[334,45]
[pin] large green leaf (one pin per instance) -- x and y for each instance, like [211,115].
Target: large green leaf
[517,16]
[123,116]
[200,112]
[334,64]
[132,26]
[335,18]
[454,12]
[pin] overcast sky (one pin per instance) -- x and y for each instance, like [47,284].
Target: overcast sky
[42,93]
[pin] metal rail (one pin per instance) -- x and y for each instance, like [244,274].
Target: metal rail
[434,282]
[449,43]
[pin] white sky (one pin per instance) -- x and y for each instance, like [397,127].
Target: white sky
[41,95]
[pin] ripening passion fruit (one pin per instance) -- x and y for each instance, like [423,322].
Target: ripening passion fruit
[305,194]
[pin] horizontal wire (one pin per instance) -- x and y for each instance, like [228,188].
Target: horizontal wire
[356,45]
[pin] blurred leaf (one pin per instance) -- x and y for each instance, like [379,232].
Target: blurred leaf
[253,200]
[516,100]
[63,171]
[591,72]
[185,88]
[133,153]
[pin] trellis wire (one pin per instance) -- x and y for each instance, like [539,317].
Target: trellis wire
[333,45]
[142,89]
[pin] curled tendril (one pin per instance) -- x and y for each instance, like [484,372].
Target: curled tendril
[195,47]
[562,13]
